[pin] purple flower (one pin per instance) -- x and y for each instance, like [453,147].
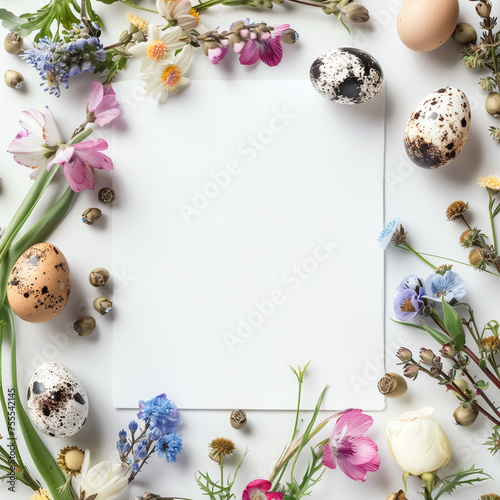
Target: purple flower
[159,412]
[411,282]
[408,304]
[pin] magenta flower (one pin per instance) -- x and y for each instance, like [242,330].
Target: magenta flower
[349,449]
[79,160]
[267,47]
[259,490]
[102,106]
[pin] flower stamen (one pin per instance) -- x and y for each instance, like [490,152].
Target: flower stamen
[157,50]
[407,306]
[170,78]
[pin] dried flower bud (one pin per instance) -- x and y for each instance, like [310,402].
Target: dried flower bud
[232,39]
[237,26]
[139,37]
[404,354]
[483,8]
[399,236]
[465,416]
[443,269]
[392,385]
[464,34]
[98,276]
[289,36]
[220,448]
[462,385]
[13,43]
[91,216]
[103,305]
[492,104]
[207,45]
[397,496]
[448,351]
[238,419]
[106,195]
[13,79]
[411,371]
[456,210]
[84,326]
[356,13]
[477,258]
[427,356]
[468,237]
[125,37]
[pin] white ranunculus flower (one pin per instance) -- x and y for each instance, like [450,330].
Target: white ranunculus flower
[417,442]
[105,479]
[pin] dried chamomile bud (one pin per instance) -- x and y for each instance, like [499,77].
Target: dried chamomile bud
[106,195]
[98,276]
[13,79]
[91,216]
[238,419]
[103,305]
[84,326]
[13,43]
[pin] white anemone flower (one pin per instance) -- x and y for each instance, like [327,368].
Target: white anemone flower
[159,81]
[159,47]
[105,480]
[180,11]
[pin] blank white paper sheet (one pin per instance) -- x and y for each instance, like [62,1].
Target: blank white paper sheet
[244,240]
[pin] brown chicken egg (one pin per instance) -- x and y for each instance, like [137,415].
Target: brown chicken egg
[39,284]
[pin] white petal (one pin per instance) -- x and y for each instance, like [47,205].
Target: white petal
[51,133]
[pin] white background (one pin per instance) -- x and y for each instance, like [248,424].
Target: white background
[419,197]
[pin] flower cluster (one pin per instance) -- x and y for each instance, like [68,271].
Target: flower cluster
[161,418]
[78,52]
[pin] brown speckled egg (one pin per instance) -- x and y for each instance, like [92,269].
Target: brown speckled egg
[39,284]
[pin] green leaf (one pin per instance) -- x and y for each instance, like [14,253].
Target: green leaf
[454,325]
[413,325]
[449,483]
[437,336]
[13,23]
[481,384]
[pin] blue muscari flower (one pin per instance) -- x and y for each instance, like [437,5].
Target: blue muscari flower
[133,426]
[160,412]
[169,445]
[122,435]
[449,285]
[123,447]
[135,467]
[153,433]
[140,452]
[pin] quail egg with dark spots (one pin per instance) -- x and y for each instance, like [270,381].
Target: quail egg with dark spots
[57,402]
[438,128]
[346,75]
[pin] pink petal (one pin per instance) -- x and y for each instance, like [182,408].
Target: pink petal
[95,96]
[51,134]
[250,54]
[279,28]
[79,176]
[355,422]
[356,472]
[259,484]
[273,495]
[32,121]
[62,156]
[245,496]
[104,117]
[270,51]
[88,153]
[364,451]
[329,459]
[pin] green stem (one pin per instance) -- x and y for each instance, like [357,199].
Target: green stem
[490,211]
[131,4]
[409,248]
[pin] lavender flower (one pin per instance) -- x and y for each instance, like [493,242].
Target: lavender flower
[449,285]
[411,282]
[408,304]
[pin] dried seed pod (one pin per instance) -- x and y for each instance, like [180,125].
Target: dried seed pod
[84,326]
[103,305]
[13,79]
[91,216]
[465,416]
[392,385]
[98,276]
[238,419]
[13,43]
[106,195]
[464,34]
[492,104]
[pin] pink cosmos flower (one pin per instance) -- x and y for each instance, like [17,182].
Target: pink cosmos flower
[79,160]
[38,140]
[216,55]
[267,48]
[102,106]
[349,449]
[259,490]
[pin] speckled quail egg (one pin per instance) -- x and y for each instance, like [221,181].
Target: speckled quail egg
[438,128]
[346,75]
[39,284]
[57,401]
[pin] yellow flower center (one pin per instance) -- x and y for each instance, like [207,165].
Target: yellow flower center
[170,78]
[407,306]
[194,13]
[157,50]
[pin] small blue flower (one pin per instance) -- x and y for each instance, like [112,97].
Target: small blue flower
[123,448]
[133,426]
[135,467]
[450,286]
[160,412]
[153,433]
[408,304]
[411,282]
[169,445]
[122,435]
[140,452]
